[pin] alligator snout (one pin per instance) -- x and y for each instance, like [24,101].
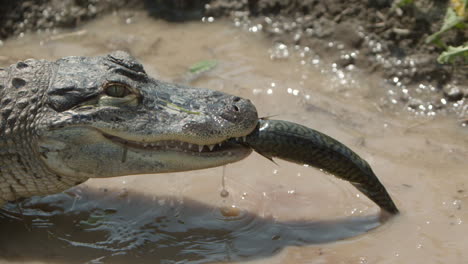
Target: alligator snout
[210,117]
[237,109]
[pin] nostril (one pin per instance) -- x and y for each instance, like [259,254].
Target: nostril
[236,99]
[236,109]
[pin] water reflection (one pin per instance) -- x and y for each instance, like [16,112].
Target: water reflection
[108,226]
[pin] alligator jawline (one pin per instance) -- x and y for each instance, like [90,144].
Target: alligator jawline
[175,145]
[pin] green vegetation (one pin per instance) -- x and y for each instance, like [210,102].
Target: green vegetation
[202,66]
[403,3]
[456,17]
[449,55]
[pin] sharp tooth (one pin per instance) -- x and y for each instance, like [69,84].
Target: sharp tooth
[145,145]
[200,148]
[237,139]
[181,143]
[211,147]
[244,138]
[219,144]
[190,145]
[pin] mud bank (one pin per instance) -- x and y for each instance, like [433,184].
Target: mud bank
[374,36]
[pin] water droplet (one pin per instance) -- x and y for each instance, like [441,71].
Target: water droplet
[257,91]
[244,195]
[224,193]
[457,204]
[255,28]
[279,51]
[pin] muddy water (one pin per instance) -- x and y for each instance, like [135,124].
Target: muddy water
[274,213]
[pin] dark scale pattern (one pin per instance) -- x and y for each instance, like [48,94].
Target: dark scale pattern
[22,88]
[303,145]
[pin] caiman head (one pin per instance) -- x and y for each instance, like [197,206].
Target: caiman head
[106,117]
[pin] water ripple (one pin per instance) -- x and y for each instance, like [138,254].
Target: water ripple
[102,227]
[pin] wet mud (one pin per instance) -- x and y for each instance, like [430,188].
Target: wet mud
[375,36]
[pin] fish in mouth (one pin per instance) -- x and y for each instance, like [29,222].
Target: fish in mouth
[76,118]
[303,145]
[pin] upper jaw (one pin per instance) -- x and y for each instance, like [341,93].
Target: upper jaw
[179,145]
[196,115]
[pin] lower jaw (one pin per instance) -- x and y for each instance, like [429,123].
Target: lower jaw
[178,161]
[228,154]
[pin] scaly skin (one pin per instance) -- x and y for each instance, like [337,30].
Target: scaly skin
[76,118]
[303,145]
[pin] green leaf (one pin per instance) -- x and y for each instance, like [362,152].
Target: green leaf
[452,53]
[451,20]
[202,66]
[403,3]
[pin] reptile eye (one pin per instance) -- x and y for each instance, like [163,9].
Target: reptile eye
[117,90]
